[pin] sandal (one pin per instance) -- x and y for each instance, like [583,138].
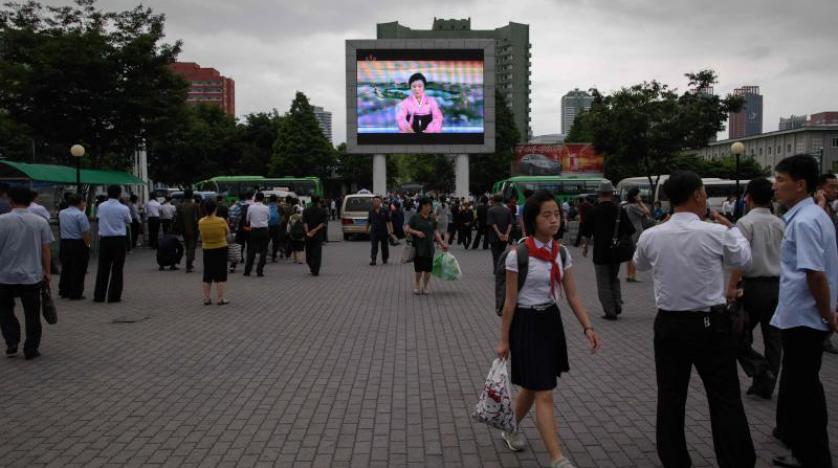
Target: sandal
[207,301]
[223,302]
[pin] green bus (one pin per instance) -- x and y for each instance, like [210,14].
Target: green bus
[564,188]
[233,187]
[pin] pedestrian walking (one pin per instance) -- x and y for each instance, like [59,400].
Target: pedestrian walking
[380,229]
[136,221]
[214,231]
[315,220]
[760,287]
[74,248]
[637,213]
[258,218]
[482,232]
[466,225]
[25,241]
[297,236]
[186,224]
[425,231]
[806,313]
[687,257]
[501,222]
[152,213]
[114,219]
[397,218]
[584,207]
[274,226]
[167,215]
[238,224]
[826,198]
[454,221]
[601,225]
[532,329]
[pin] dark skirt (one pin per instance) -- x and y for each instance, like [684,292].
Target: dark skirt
[215,265]
[423,264]
[298,245]
[538,348]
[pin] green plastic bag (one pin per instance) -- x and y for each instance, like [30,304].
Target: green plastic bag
[446,267]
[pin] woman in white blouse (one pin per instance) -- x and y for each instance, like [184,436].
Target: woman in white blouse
[532,329]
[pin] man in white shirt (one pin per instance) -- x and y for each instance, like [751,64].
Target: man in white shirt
[167,215]
[258,216]
[687,257]
[152,212]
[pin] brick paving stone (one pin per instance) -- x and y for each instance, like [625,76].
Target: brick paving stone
[346,369]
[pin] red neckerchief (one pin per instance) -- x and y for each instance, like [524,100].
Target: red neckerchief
[548,256]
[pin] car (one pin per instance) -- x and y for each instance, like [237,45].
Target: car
[354,213]
[539,164]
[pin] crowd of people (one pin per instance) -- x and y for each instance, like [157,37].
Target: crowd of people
[782,275]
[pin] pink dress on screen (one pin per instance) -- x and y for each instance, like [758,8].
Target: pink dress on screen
[416,114]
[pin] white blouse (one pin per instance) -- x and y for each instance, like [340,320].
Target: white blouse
[536,289]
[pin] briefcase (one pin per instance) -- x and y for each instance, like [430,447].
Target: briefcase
[48,306]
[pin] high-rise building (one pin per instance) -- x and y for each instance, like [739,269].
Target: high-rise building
[573,103]
[795,121]
[748,121]
[823,118]
[324,118]
[206,85]
[512,49]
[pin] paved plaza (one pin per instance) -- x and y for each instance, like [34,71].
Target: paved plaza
[346,369]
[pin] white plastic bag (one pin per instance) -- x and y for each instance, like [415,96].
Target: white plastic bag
[495,404]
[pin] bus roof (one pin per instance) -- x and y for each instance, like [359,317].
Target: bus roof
[246,178]
[553,178]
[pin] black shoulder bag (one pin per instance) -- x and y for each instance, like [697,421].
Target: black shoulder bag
[622,248]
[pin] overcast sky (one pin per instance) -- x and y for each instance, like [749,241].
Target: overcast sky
[274,48]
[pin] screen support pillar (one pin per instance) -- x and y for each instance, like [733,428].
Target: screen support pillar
[379,174]
[461,176]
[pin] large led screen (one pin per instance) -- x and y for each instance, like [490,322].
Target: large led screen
[407,96]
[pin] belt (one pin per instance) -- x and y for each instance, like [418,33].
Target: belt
[762,278]
[539,307]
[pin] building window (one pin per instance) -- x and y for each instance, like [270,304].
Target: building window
[760,151]
[779,149]
[835,142]
[789,148]
[769,150]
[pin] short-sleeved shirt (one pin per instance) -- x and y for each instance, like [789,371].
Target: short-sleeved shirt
[152,208]
[499,215]
[167,211]
[258,215]
[39,210]
[424,247]
[764,232]
[377,220]
[536,288]
[113,217]
[809,245]
[213,232]
[72,223]
[22,236]
[314,216]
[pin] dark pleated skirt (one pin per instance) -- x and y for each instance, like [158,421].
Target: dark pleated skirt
[538,348]
[215,265]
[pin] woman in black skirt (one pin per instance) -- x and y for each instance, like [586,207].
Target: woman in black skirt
[214,232]
[423,228]
[532,329]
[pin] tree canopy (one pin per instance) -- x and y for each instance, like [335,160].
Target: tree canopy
[301,148]
[486,169]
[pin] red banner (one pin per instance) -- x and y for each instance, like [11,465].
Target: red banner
[572,158]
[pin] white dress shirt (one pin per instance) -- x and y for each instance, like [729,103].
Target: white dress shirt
[687,257]
[258,215]
[39,210]
[167,211]
[152,208]
[536,288]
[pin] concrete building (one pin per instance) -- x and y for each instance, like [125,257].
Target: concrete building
[572,103]
[324,118]
[548,139]
[770,148]
[748,121]
[207,85]
[795,121]
[513,58]
[823,118]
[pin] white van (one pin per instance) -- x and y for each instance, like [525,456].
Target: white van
[354,213]
[717,190]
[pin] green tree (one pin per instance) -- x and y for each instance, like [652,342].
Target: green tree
[300,148]
[486,169]
[433,171]
[580,131]
[77,74]
[257,133]
[647,126]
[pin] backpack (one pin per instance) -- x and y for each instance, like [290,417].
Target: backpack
[523,266]
[298,231]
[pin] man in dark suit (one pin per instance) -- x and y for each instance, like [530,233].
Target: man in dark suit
[186,224]
[482,211]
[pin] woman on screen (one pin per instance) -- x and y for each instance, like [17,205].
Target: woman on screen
[419,113]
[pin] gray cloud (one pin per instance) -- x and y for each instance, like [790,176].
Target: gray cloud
[274,48]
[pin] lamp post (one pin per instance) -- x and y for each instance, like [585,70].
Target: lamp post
[77,151]
[737,149]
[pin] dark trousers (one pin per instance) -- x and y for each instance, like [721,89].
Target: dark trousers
[801,405]
[465,236]
[760,301]
[275,236]
[684,340]
[482,233]
[135,233]
[383,239]
[578,235]
[314,255]
[109,272]
[167,225]
[74,256]
[453,229]
[190,243]
[257,244]
[153,231]
[30,297]
[497,250]
[608,288]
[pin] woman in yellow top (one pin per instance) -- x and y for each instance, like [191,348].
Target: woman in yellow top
[214,233]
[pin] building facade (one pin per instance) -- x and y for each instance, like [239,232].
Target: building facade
[512,54]
[770,148]
[795,121]
[324,118]
[208,86]
[573,103]
[748,121]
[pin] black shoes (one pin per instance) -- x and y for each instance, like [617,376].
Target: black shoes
[609,317]
[174,267]
[32,355]
[11,351]
[161,268]
[260,275]
[828,347]
[372,263]
[787,461]
[763,386]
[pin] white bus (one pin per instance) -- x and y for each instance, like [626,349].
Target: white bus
[717,190]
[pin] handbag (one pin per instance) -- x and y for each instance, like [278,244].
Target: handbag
[408,252]
[48,306]
[494,406]
[622,247]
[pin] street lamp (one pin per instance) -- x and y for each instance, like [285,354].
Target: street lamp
[78,152]
[737,149]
